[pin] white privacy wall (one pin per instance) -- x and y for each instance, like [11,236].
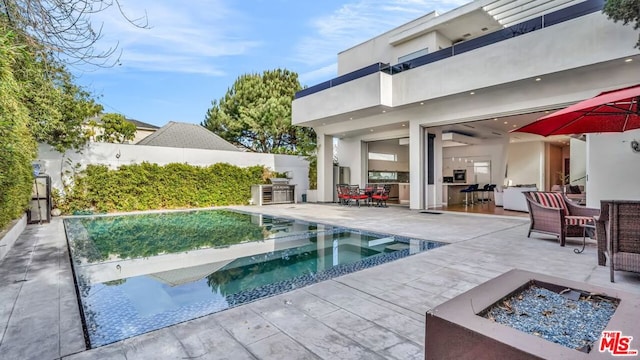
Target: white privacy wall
[613,169]
[114,155]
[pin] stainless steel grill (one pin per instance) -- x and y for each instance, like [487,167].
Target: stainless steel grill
[278,192]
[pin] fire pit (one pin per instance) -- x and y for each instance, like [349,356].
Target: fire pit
[467,326]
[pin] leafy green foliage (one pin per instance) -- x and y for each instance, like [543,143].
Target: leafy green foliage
[57,107]
[627,11]
[148,186]
[39,100]
[313,173]
[127,237]
[115,129]
[256,113]
[17,146]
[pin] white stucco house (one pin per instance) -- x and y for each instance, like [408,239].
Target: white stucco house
[441,94]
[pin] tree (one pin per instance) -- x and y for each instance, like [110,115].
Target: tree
[627,11]
[64,29]
[255,113]
[17,146]
[38,98]
[58,108]
[115,129]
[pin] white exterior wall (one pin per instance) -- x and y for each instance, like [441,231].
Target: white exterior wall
[577,162]
[350,155]
[366,92]
[114,155]
[613,169]
[575,59]
[588,40]
[379,49]
[526,164]
[401,153]
[564,46]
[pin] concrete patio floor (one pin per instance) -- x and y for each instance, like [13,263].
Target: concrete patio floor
[377,313]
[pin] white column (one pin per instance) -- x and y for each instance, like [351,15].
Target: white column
[436,196]
[416,159]
[325,168]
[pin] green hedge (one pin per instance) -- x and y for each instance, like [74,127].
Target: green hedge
[148,186]
[17,147]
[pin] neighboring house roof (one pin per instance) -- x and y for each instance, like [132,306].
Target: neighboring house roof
[183,135]
[139,124]
[142,125]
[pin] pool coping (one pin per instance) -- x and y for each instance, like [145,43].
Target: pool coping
[386,303]
[265,291]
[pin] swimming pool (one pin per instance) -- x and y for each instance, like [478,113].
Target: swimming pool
[138,273]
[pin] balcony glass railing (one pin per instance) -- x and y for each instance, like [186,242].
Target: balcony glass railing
[544,21]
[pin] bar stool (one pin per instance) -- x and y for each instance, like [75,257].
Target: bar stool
[485,193]
[471,189]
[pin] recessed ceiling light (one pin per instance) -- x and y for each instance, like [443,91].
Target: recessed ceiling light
[514,125]
[506,122]
[403,125]
[384,111]
[495,119]
[371,130]
[628,60]
[350,118]
[472,93]
[538,79]
[546,111]
[421,103]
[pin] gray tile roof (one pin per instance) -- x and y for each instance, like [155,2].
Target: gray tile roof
[137,123]
[143,125]
[183,135]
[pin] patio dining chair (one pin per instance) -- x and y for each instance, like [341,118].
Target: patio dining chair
[618,233]
[357,195]
[381,195]
[343,194]
[553,214]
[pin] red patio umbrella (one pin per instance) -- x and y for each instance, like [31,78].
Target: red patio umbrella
[610,111]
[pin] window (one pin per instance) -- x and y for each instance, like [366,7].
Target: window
[383,175]
[413,55]
[383,157]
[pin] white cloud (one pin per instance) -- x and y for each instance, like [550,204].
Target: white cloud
[320,74]
[185,37]
[359,21]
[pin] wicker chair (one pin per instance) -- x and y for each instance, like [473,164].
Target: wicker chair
[618,233]
[552,213]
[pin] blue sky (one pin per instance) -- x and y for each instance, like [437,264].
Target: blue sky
[194,50]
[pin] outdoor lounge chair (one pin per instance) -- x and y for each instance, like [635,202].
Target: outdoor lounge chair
[552,213]
[618,234]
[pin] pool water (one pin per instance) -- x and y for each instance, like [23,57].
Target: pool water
[138,273]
